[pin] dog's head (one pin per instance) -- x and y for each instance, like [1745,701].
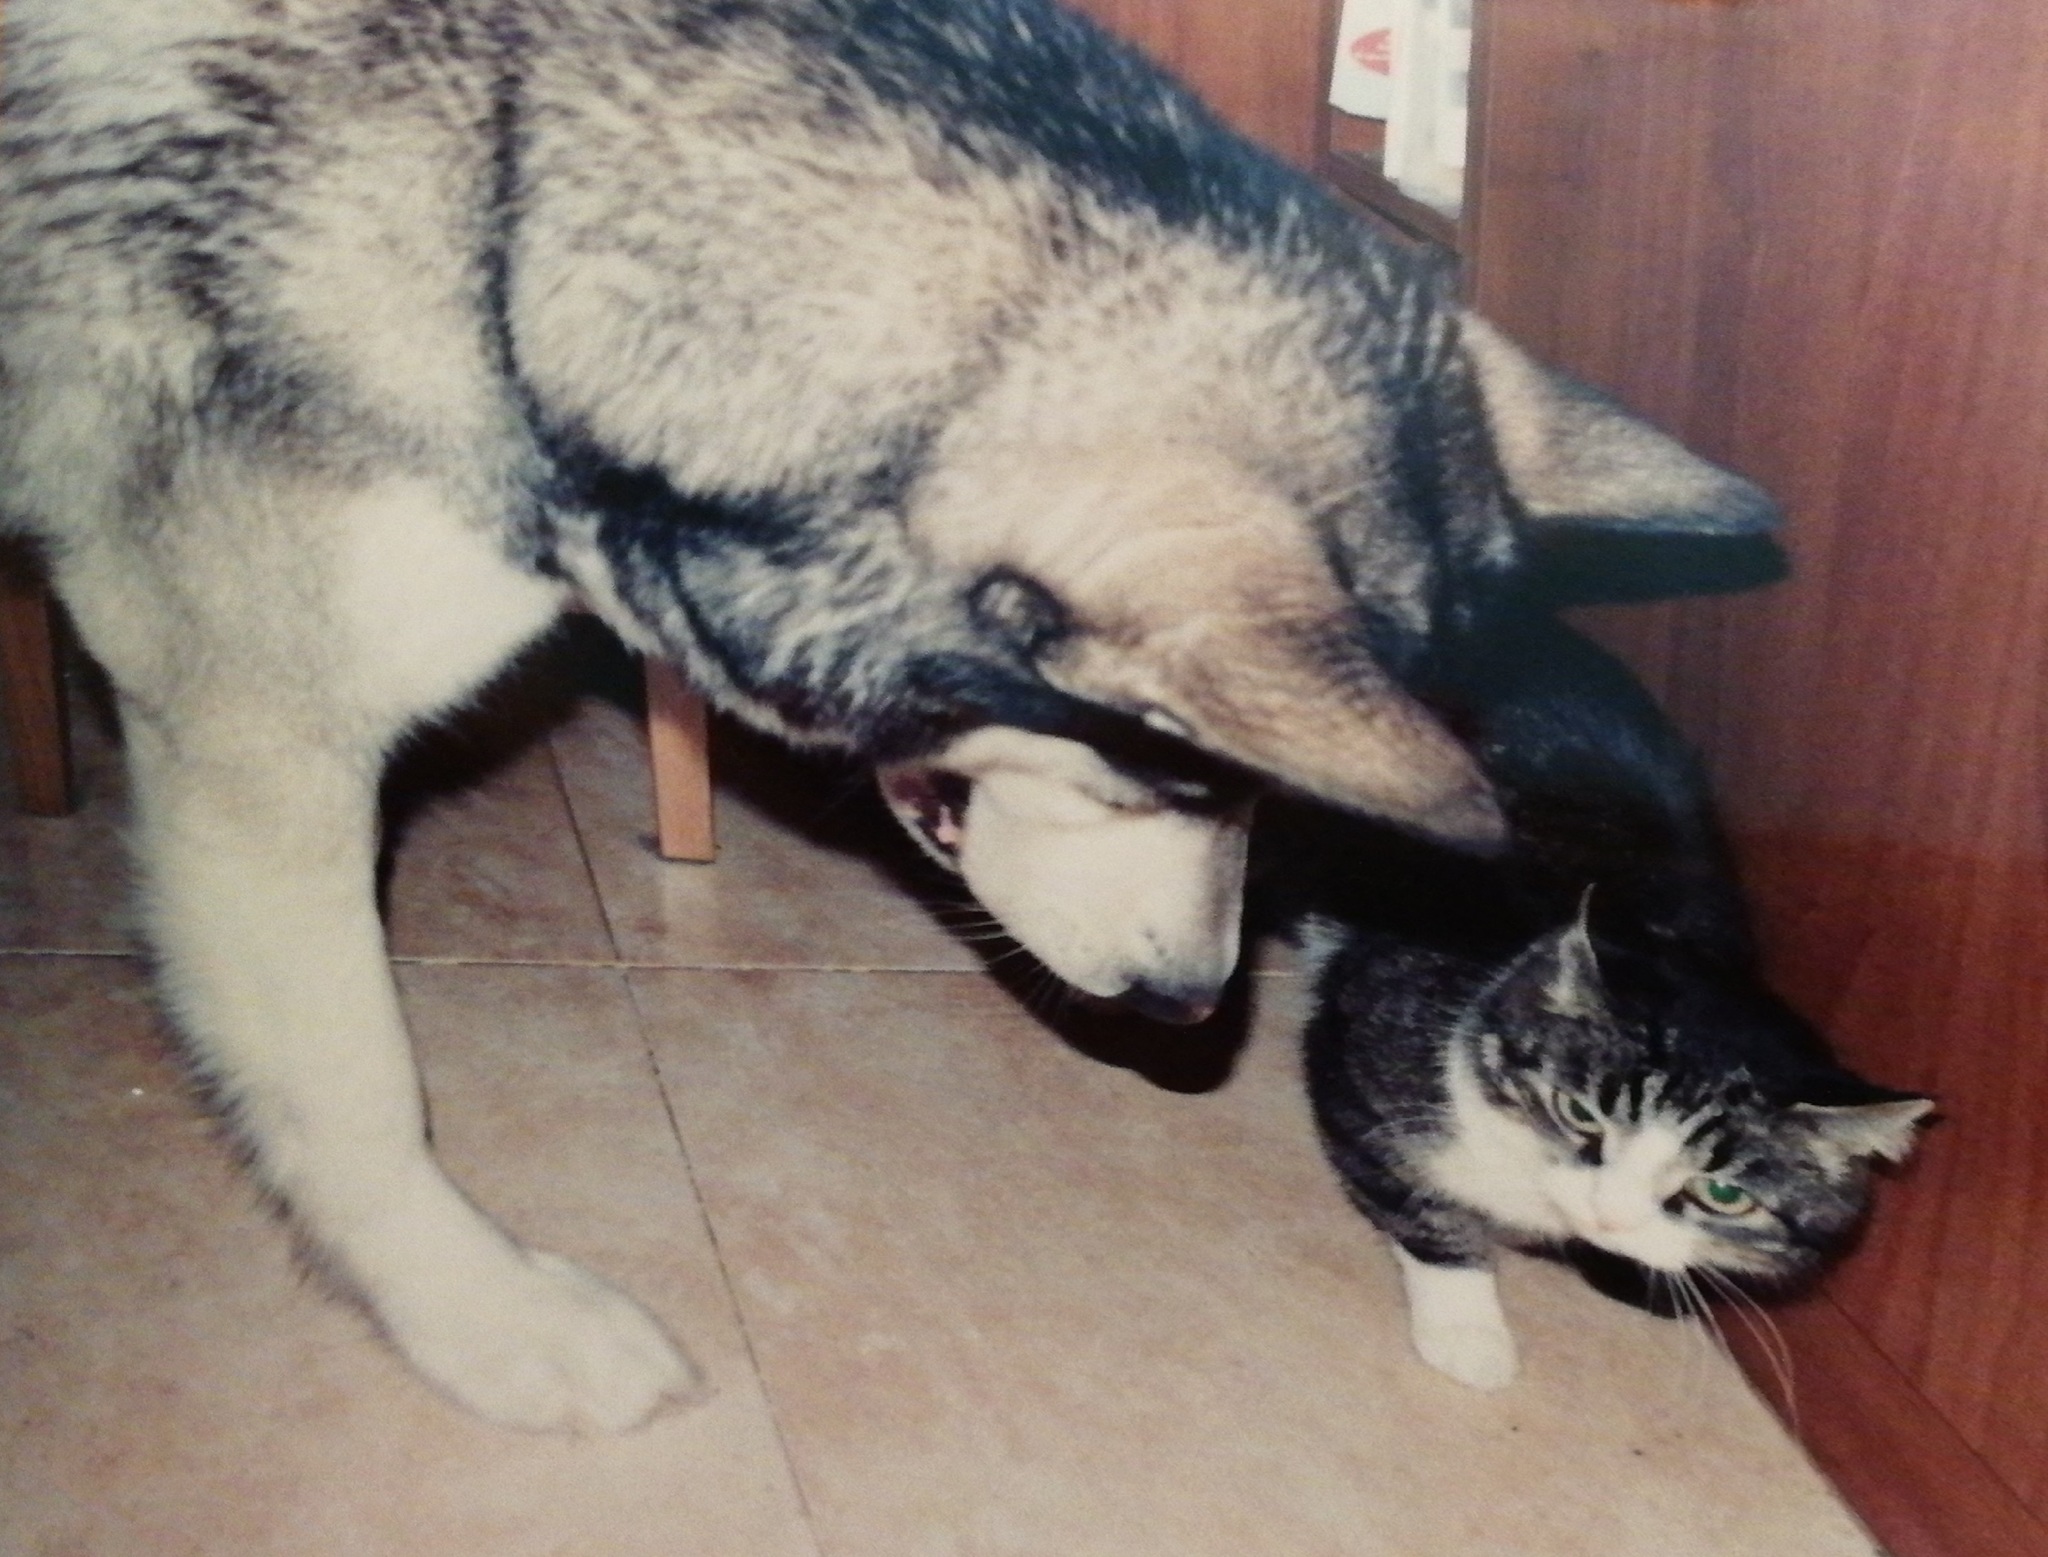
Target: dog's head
[1127,884]
[1189,592]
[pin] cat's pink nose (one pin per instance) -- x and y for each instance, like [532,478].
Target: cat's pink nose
[1617,1221]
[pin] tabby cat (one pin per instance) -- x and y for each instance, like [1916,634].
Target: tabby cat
[1570,1045]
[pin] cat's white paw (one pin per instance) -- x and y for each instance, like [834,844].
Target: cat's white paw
[544,1345]
[1455,1320]
[1476,1354]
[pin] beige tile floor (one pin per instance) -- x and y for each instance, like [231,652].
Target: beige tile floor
[967,1285]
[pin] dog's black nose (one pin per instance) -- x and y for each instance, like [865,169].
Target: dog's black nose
[1181,1005]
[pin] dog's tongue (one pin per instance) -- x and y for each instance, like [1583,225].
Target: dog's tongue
[931,804]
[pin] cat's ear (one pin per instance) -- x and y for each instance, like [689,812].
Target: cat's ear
[1571,455]
[1571,976]
[1846,1133]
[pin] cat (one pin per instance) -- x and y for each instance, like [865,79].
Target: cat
[1573,1045]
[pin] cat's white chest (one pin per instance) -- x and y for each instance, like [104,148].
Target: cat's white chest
[1494,1161]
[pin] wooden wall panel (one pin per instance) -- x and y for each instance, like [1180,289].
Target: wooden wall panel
[33,706]
[1260,65]
[1858,1411]
[1812,236]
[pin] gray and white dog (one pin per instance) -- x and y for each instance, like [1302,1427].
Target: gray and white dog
[931,378]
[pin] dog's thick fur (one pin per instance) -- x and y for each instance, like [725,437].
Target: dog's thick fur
[931,378]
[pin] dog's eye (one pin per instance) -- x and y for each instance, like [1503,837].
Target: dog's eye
[1020,609]
[1166,722]
[1134,804]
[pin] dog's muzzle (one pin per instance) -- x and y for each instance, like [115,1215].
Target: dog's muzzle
[1130,905]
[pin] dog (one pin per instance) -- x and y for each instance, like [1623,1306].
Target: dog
[936,382]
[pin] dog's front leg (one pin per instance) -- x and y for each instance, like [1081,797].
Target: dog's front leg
[258,854]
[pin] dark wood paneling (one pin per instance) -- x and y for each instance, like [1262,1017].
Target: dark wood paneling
[1934,967]
[1868,1427]
[32,701]
[1261,66]
[1812,236]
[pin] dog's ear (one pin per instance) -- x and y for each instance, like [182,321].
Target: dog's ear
[1291,698]
[1249,649]
[1571,455]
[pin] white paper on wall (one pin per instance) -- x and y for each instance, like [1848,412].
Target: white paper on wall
[1404,113]
[1426,115]
[1454,87]
[1361,81]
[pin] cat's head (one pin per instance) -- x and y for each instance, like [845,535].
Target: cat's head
[1679,1116]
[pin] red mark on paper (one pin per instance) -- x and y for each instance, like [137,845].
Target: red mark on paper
[1375,50]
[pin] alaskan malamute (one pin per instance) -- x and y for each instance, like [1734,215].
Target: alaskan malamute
[930,378]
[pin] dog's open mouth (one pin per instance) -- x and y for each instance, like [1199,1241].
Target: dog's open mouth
[933,805]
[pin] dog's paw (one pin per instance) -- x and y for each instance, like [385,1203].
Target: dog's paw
[543,1345]
[1481,1355]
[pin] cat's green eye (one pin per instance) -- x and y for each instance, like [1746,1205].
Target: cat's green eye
[1720,1197]
[1578,1115]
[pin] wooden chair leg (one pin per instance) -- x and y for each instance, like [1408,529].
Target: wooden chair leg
[32,696]
[679,748]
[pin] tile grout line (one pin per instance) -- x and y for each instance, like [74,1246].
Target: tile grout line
[732,1295]
[627,964]
[604,911]
[129,954]
[643,965]
[639,966]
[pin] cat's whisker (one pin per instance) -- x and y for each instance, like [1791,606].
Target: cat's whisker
[1005,956]
[1047,995]
[979,936]
[1408,1115]
[1769,1339]
[1423,1123]
[1669,1288]
[1708,1341]
[971,915]
[1419,1113]
[965,925]
[1386,1127]
[1770,1336]
[983,937]
[1714,1334]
